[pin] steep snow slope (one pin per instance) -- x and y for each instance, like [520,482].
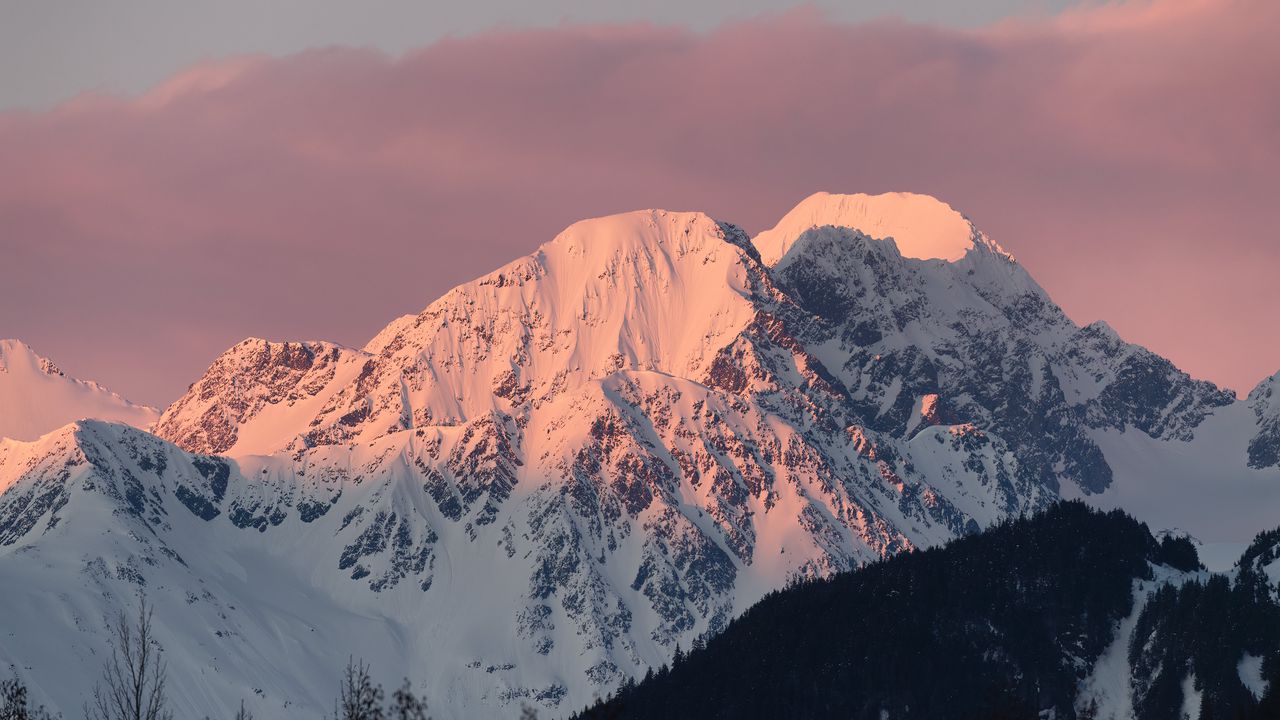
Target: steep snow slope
[36,397]
[95,514]
[553,475]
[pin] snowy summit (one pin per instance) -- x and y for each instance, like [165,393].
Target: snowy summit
[36,397]
[922,227]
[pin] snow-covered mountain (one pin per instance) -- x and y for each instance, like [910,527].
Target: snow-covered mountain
[36,397]
[553,475]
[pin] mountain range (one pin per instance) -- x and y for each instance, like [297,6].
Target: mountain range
[538,487]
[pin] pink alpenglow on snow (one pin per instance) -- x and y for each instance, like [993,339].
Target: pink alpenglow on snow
[922,227]
[1125,153]
[36,397]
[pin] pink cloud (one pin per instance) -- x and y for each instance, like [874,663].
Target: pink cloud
[1126,154]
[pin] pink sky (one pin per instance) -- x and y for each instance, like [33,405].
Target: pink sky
[1126,155]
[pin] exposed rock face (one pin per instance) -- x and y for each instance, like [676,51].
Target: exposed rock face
[564,469]
[253,395]
[1264,400]
[979,337]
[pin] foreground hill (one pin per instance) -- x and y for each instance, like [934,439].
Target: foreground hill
[1069,614]
[536,488]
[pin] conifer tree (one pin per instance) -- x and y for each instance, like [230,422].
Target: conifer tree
[407,706]
[359,698]
[14,703]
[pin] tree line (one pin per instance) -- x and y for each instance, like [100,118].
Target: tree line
[1001,625]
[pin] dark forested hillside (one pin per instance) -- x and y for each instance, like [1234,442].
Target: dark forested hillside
[1208,631]
[1004,624]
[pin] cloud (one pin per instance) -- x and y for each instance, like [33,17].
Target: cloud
[1127,154]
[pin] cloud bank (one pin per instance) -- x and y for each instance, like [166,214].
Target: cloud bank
[1127,154]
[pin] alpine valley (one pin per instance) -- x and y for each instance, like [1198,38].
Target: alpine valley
[538,487]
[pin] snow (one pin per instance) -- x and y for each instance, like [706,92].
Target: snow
[923,411]
[1191,698]
[922,227]
[1250,671]
[1272,570]
[36,398]
[279,606]
[968,482]
[1109,683]
[648,290]
[890,396]
[1202,486]
[1220,556]
[288,618]
[270,621]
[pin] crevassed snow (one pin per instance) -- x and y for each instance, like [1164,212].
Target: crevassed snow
[36,398]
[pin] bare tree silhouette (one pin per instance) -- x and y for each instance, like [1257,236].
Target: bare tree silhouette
[133,679]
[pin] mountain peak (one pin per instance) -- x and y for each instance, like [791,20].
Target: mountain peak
[14,353]
[611,233]
[1103,329]
[921,226]
[38,397]
[246,401]
[1266,387]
